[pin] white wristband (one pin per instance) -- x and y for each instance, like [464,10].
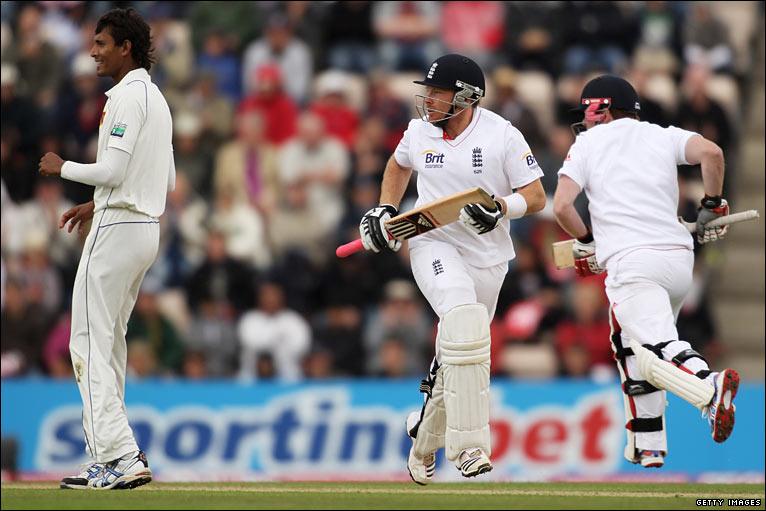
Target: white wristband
[516,205]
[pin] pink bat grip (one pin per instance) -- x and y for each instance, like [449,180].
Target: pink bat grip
[349,248]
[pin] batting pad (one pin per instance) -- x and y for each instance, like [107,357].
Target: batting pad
[430,436]
[464,344]
[667,376]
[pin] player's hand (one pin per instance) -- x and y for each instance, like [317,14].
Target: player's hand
[372,229]
[50,164]
[711,208]
[77,216]
[481,219]
[584,251]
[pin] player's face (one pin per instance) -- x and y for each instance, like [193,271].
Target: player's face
[438,102]
[107,54]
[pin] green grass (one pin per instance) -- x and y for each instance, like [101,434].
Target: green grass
[380,496]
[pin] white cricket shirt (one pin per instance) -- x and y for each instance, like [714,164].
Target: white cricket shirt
[628,171]
[489,153]
[136,119]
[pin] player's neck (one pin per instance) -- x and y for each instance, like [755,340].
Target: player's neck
[127,68]
[458,124]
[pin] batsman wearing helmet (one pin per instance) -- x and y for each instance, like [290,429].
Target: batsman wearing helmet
[454,145]
[627,169]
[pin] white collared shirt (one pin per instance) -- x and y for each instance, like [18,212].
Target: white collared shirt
[136,119]
[628,171]
[489,153]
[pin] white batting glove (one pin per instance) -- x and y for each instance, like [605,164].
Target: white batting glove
[712,208]
[373,231]
[479,218]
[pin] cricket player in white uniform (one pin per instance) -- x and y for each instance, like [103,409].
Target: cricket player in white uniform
[133,172]
[627,169]
[455,145]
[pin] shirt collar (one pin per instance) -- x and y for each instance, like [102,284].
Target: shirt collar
[136,74]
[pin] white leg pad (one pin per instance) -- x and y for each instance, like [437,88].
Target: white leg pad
[464,346]
[432,423]
[667,376]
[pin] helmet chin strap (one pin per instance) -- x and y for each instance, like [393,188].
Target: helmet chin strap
[443,122]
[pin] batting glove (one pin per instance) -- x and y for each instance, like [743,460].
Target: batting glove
[372,229]
[712,208]
[584,251]
[479,219]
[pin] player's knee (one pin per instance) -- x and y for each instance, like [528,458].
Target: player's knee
[464,335]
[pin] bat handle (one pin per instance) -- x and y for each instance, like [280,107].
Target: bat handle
[349,248]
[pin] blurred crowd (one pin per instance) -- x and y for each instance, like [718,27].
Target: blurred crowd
[284,116]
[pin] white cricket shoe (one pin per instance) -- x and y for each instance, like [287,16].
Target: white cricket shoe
[652,459]
[473,462]
[83,480]
[421,469]
[720,412]
[124,473]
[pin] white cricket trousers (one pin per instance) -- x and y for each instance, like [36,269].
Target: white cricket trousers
[118,251]
[646,289]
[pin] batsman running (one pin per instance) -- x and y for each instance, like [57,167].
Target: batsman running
[627,169]
[455,145]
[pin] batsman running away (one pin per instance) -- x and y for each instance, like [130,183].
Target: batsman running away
[628,171]
[475,173]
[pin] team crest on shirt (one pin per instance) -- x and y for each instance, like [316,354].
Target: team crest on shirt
[118,130]
[477,161]
[433,160]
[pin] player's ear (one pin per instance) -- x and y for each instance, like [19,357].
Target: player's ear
[126,48]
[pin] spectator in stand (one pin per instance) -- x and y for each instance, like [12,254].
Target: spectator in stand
[651,110]
[247,166]
[393,360]
[597,36]
[213,332]
[213,110]
[244,229]
[706,40]
[20,135]
[56,356]
[402,321]
[218,57]
[699,112]
[273,329]
[221,280]
[407,33]
[338,330]
[42,280]
[384,106]
[508,104]
[142,361]
[332,105]
[318,164]
[195,366]
[192,156]
[280,47]
[349,36]
[23,330]
[474,29]
[184,229]
[148,324]
[532,35]
[269,99]
[39,64]
[659,44]
[585,335]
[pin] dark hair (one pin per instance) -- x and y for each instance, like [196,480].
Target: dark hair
[621,114]
[127,24]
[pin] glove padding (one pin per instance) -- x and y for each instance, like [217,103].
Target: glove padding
[705,215]
[585,258]
[480,219]
[372,229]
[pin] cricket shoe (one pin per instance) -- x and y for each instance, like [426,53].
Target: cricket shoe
[421,469]
[651,459]
[83,480]
[473,462]
[720,412]
[126,473]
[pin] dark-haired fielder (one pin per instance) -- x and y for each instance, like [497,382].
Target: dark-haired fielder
[134,169]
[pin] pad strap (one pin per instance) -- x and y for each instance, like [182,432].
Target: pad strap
[646,425]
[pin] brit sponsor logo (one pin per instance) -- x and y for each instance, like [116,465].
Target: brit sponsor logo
[433,160]
[322,432]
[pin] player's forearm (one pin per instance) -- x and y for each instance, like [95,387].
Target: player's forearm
[109,172]
[712,172]
[395,181]
[569,220]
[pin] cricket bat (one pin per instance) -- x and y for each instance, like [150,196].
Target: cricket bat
[425,218]
[562,250]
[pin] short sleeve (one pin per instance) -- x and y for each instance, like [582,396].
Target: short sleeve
[678,138]
[574,163]
[402,153]
[128,118]
[519,160]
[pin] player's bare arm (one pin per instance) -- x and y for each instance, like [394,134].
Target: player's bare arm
[709,156]
[372,227]
[395,181]
[533,194]
[584,246]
